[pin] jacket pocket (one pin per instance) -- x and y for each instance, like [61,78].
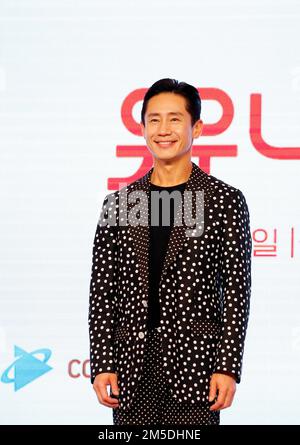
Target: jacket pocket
[205,328]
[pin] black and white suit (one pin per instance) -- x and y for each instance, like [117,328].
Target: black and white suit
[204,290]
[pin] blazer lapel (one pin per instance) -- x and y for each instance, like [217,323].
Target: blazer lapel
[141,234]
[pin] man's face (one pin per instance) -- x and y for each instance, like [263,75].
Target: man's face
[166,119]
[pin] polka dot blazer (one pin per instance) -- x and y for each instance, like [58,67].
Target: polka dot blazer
[204,291]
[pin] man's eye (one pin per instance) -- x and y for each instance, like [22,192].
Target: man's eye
[173,119]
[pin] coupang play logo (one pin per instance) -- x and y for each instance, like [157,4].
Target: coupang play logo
[27,367]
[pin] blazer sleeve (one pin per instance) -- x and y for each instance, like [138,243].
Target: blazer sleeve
[235,274]
[103,282]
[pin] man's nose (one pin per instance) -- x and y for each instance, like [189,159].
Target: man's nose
[164,128]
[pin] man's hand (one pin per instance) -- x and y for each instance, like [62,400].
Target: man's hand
[101,381]
[226,387]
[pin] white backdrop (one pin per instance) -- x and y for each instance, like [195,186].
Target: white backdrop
[65,69]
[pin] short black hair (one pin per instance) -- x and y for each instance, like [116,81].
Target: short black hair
[190,93]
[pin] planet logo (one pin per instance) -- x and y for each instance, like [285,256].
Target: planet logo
[27,367]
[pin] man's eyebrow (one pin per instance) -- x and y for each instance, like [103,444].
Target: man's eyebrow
[171,112]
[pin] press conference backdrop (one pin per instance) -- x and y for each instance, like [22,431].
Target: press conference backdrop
[72,80]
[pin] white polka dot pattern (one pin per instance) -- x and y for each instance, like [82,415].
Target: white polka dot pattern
[204,292]
[152,402]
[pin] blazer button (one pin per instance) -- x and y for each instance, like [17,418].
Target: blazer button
[144,303]
[141,334]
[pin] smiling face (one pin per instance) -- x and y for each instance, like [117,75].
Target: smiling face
[168,127]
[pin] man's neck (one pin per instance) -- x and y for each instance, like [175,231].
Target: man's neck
[170,175]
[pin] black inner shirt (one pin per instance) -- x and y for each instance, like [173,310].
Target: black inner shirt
[159,238]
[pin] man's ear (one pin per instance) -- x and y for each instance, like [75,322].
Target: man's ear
[198,128]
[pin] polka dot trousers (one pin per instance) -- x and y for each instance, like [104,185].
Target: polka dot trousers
[152,402]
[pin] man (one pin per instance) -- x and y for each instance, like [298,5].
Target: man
[169,307]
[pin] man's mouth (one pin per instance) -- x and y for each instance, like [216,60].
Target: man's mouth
[165,143]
